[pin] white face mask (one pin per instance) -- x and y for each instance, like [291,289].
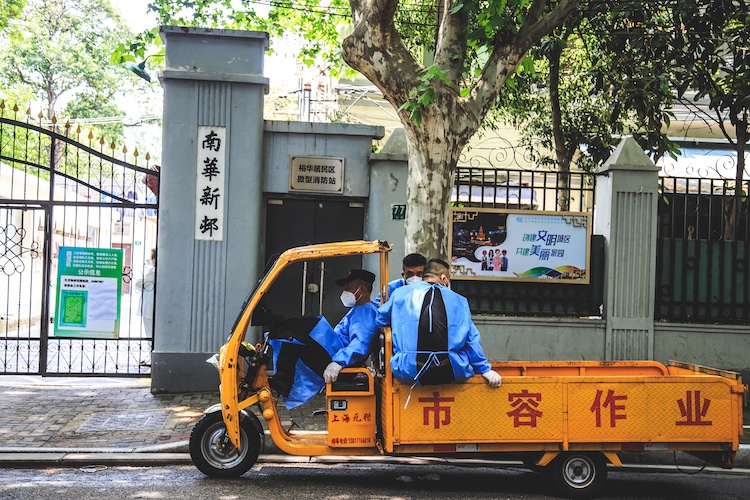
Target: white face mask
[412,279]
[443,279]
[348,299]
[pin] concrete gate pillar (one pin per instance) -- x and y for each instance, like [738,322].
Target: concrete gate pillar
[212,78]
[625,213]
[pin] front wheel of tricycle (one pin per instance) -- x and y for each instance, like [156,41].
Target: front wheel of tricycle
[215,455]
[578,475]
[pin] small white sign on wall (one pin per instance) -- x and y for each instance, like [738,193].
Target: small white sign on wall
[210,186]
[316,174]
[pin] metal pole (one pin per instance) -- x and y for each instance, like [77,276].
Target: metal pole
[47,263]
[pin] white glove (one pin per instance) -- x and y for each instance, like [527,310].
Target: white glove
[331,373]
[493,379]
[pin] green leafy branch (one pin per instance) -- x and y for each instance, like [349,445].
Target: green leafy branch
[424,95]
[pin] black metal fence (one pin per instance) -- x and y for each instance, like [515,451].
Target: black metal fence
[694,208]
[701,277]
[61,187]
[524,189]
[702,281]
[521,189]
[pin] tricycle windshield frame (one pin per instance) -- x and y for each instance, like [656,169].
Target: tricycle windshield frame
[229,362]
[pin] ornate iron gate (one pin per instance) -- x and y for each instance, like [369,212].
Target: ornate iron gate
[57,192]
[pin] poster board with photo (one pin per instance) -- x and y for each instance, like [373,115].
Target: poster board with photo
[520,245]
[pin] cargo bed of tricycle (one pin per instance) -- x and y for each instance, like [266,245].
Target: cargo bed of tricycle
[567,417]
[563,406]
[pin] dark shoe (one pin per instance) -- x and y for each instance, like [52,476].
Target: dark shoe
[280,386]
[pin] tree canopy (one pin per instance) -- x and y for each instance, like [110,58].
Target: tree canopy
[612,67]
[620,67]
[694,53]
[56,54]
[476,45]
[10,9]
[59,52]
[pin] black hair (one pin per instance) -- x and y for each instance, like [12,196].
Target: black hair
[436,267]
[414,260]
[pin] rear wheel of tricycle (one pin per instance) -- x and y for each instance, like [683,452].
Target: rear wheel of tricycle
[213,452]
[578,475]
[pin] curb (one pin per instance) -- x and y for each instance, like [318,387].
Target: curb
[90,458]
[177,454]
[93,462]
[681,458]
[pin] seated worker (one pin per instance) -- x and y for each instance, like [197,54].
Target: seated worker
[434,339]
[411,272]
[308,353]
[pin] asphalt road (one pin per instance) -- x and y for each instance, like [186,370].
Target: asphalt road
[350,481]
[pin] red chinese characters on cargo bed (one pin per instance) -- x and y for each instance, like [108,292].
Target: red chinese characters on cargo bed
[693,410]
[441,412]
[525,406]
[607,407]
[612,402]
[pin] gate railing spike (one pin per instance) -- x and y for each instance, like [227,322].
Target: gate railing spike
[72,128]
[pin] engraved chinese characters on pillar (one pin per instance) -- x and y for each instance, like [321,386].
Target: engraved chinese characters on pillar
[210,197]
[210,168]
[440,412]
[210,185]
[525,406]
[693,409]
[212,141]
[614,403]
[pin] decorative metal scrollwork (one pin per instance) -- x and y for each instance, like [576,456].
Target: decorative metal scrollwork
[127,274]
[715,163]
[497,152]
[12,250]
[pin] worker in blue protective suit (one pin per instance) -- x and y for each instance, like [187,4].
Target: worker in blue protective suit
[357,329]
[434,339]
[411,272]
[308,353]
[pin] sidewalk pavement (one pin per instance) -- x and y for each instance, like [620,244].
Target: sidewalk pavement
[85,421]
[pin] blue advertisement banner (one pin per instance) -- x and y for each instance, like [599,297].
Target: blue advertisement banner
[519,245]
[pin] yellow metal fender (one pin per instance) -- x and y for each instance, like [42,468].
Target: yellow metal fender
[549,456]
[613,458]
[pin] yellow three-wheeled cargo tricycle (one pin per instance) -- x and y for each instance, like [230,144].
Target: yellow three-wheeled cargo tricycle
[567,418]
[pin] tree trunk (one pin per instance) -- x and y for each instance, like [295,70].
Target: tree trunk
[56,158]
[561,152]
[733,211]
[432,166]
